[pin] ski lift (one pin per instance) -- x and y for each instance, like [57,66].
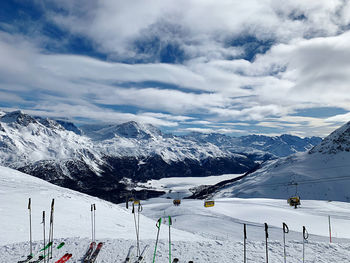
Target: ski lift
[209,203]
[177,201]
[294,200]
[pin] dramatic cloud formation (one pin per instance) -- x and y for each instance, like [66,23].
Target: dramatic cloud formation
[234,67]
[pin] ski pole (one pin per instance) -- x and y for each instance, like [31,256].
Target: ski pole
[266,237]
[245,245]
[139,210]
[137,231]
[305,237]
[285,231]
[43,222]
[92,224]
[30,226]
[330,229]
[51,228]
[94,205]
[170,223]
[158,224]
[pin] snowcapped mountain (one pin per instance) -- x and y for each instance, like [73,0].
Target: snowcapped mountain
[94,159]
[96,162]
[321,173]
[263,147]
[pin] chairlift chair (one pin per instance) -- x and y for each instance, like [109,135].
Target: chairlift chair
[177,201]
[209,203]
[294,201]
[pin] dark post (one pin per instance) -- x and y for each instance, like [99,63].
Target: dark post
[245,243]
[266,237]
[285,231]
[30,226]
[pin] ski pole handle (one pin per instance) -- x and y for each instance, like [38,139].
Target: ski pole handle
[245,231]
[29,203]
[140,208]
[170,222]
[285,228]
[159,222]
[305,233]
[266,231]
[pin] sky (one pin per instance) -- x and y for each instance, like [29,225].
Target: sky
[227,66]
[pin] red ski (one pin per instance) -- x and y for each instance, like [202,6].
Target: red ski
[95,254]
[89,252]
[65,258]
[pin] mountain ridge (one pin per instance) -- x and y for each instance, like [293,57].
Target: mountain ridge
[319,174]
[96,160]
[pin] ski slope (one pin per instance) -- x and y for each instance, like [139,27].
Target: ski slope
[198,233]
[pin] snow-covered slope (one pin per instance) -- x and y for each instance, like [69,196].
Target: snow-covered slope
[322,173]
[198,233]
[72,212]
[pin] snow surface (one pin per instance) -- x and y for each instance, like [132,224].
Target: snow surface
[179,187]
[198,233]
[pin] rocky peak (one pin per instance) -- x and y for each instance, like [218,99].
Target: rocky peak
[18,117]
[136,130]
[337,141]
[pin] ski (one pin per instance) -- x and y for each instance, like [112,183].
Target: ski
[89,252]
[65,258]
[130,254]
[96,252]
[29,257]
[142,255]
[41,257]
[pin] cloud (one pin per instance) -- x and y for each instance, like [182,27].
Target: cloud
[254,61]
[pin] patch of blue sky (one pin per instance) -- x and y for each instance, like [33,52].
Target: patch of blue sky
[155,49]
[251,45]
[120,108]
[15,11]
[320,112]
[28,18]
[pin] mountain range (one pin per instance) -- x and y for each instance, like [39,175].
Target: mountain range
[96,159]
[322,173]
